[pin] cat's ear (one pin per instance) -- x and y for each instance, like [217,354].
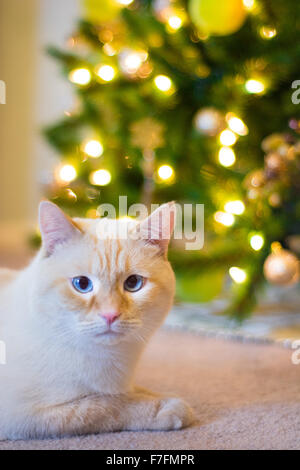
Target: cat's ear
[55,226]
[157,229]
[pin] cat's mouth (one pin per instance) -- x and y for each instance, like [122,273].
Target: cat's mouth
[108,333]
[108,337]
[116,332]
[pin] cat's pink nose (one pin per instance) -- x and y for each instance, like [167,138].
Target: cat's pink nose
[110,317]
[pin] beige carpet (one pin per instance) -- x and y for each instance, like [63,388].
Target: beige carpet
[246,396]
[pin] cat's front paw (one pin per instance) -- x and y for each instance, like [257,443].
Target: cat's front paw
[173,413]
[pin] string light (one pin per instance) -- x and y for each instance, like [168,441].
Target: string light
[235,207]
[100,177]
[267,32]
[163,83]
[93,148]
[131,61]
[109,49]
[80,76]
[66,173]
[224,218]
[165,172]
[249,4]
[227,137]
[106,73]
[125,2]
[174,22]
[257,241]
[254,86]
[236,124]
[237,274]
[226,156]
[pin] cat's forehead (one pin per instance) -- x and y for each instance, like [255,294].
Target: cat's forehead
[107,248]
[104,228]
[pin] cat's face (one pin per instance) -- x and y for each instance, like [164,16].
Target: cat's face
[98,289]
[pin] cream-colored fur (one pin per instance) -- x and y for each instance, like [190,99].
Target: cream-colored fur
[65,374]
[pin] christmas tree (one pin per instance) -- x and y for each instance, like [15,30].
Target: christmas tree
[195,102]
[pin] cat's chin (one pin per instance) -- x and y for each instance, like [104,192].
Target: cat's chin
[109,338]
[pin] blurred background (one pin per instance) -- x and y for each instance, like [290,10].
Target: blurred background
[36,94]
[195,101]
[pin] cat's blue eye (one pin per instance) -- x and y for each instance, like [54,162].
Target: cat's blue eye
[82,284]
[134,283]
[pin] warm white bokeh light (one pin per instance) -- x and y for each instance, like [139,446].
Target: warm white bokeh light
[100,177]
[235,207]
[93,148]
[66,173]
[131,60]
[267,32]
[227,137]
[163,83]
[249,4]
[125,2]
[109,50]
[254,86]
[237,274]
[175,22]
[106,73]
[226,156]
[224,218]
[80,76]
[165,172]
[257,242]
[236,125]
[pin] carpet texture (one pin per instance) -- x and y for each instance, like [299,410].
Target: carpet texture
[245,396]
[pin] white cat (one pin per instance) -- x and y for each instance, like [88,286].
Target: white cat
[75,323]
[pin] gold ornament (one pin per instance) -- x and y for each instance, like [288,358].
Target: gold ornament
[100,11]
[209,121]
[147,134]
[281,266]
[218,17]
